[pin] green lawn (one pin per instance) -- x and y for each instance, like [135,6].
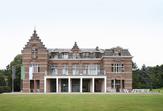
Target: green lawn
[81,102]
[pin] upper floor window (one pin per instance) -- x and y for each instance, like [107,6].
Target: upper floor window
[35,68]
[56,56]
[117,68]
[65,69]
[65,56]
[53,69]
[75,69]
[86,55]
[75,55]
[98,54]
[92,55]
[34,53]
[85,69]
[93,69]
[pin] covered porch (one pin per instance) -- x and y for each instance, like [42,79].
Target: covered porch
[69,84]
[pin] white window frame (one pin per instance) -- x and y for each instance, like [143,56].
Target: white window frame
[53,69]
[35,68]
[65,69]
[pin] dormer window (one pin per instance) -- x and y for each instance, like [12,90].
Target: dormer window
[65,56]
[75,55]
[117,51]
[34,53]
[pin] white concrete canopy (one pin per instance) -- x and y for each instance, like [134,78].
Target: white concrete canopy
[92,78]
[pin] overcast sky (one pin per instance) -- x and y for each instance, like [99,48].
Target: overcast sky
[136,25]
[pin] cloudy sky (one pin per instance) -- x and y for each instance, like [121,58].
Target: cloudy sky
[136,25]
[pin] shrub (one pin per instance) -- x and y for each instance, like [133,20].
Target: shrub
[4,89]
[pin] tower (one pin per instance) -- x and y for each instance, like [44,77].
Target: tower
[35,61]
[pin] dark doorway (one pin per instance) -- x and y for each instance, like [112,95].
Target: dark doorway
[52,85]
[86,85]
[64,85]
[98,85]
[75,85]
[37,85]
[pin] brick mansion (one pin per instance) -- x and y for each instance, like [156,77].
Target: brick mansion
[75,69]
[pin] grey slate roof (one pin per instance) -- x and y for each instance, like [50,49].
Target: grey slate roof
[106,52]
[123,52]
[81,50]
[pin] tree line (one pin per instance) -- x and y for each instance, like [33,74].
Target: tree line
[148,77]
[145,77]
[6,76]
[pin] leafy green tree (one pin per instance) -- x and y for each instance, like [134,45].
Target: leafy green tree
[6,74]
[2,78]
[148,77]
[16,63]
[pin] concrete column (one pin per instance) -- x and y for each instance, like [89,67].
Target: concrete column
[35,88]
[44,84]
[114,84]
[105,84]
[69,84]
[121,85]
[81,85]
[56,85]
[93,84]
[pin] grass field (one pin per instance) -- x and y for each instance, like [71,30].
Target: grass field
[81,102]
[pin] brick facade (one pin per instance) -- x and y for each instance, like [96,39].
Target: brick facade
[75,69]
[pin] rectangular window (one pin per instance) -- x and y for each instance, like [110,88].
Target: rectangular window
[75,69]
[56,56]
[35,68]
[98,69]
[117,68]
[65,56]
[65,69]
[112,67]
[93,69]
[74,56]
[85,69]
[53,69]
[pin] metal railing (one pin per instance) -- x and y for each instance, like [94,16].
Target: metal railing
[76,73]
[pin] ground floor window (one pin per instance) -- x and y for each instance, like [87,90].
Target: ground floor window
[117,84]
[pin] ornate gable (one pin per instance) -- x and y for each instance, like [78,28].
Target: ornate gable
[34,47]
[34,41]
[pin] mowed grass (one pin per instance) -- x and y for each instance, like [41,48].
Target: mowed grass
[81,102]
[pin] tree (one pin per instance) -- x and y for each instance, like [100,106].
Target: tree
[16,63]
[2,78]
[148,77]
